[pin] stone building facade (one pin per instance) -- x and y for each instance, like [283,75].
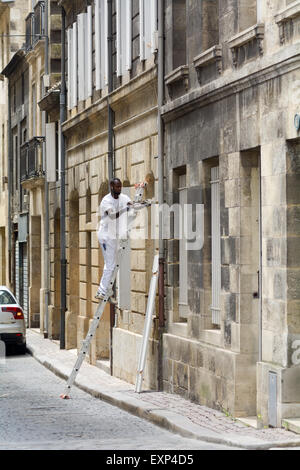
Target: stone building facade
[133,101]
[232,92]
[11,27]
[232,74]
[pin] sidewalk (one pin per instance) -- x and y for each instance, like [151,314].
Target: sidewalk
[169,411]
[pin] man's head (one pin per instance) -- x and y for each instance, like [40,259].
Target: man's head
[115,187]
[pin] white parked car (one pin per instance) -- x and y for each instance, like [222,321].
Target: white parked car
[12,323]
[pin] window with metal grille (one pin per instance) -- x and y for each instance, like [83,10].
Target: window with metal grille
[216,246]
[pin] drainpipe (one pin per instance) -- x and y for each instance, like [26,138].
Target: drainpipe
[260,269]
[63,261]
[46,266]
[161,292]
[10,180]
[110,90]
[110,146]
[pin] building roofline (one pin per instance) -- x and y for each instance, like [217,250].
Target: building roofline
[15,60]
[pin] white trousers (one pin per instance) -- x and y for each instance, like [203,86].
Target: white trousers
[109,250]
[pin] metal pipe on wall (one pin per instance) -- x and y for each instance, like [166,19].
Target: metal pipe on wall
[63,261]
[10,180]
[46,188]
[161,187]
[110,117]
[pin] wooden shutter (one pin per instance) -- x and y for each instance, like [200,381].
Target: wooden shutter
[101,46]
[70,67]
[148,28]
[89,52]
[74,67]
[51,151]
[82,41]
[124,36]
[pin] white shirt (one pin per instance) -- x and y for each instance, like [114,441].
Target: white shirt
[112,228]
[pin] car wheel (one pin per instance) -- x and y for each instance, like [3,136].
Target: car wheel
[22,349]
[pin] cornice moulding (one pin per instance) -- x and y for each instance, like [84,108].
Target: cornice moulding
[290,12]
[282,63]
[254,32]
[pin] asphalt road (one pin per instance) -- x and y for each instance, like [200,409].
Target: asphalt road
[33,417]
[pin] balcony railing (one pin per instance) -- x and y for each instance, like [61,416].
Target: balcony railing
[31,164]
[35,25]
[39,20]
[29,31]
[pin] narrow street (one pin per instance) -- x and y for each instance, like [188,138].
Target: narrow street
[34,417]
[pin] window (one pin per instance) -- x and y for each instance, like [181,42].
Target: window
[215,245]
[247,14]
[6,298]
[183,253]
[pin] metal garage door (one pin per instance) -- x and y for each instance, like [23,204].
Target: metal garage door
[25,282]
[17,271]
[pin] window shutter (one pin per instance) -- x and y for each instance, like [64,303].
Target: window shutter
[101,47]
[142,30]
[128,36]
[216,245]
[89,52]
[119,37]
[82,40]
[74,67]
[124,36]
[148,28]
[97,45]
[70,67]
[50,151]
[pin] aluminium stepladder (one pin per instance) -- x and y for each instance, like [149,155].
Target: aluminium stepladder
[138,204]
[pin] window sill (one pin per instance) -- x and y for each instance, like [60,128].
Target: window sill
[211,337]
[288,14]
[254,32]
[179,75]
[214,54]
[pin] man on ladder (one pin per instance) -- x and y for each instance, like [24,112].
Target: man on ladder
[113,225]
[113,243]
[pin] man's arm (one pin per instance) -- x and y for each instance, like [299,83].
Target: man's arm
[115,215]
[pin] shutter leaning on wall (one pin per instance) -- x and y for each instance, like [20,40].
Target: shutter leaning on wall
[216,245]
[74,67]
